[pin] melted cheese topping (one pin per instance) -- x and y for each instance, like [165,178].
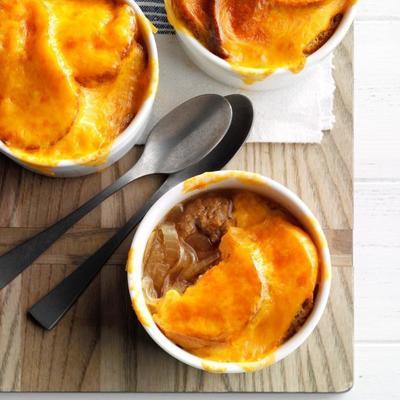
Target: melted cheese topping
[242,308]
[264,34]
[196,315]
[73,74]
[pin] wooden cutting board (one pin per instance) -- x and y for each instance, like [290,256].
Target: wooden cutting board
[99,345]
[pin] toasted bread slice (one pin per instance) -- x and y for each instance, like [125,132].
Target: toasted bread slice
[38,97]
[222,301]
[195,15]
[301,317]
[323,36]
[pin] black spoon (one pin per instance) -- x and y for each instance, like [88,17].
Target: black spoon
[48,311]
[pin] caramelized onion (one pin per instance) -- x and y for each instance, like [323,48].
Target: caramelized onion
[188,258]
[175,213]
[196,269]
[172,262]
[150,293]
[149,247]
[188,271]
[172,247]
[199,241]
[203,247]
[180,286]
[156,267]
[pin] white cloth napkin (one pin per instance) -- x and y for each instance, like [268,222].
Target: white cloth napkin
[295,114]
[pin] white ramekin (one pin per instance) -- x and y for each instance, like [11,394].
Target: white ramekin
[125,140]
[253,78]
[223,180]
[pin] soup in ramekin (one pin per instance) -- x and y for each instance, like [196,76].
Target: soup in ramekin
[229,275]
[260,34]
[73,75]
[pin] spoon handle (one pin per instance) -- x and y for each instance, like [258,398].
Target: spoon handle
[20,257]
[49,310]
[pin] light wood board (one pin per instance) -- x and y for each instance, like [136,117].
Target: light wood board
[99,345]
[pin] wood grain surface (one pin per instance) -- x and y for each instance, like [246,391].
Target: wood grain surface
[99,345]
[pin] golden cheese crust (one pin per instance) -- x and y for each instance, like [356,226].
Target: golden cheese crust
[73,74]
[221,302]
[38,97]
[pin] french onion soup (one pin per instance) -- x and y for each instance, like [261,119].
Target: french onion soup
[73,74]
[229,275]
[265,34]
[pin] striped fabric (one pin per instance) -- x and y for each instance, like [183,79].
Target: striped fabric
[155,12]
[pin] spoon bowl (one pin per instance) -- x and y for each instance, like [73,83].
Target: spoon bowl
[187,133]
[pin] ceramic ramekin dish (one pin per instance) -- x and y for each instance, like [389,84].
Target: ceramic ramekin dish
[224,180]
[253,78]
[125,140]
